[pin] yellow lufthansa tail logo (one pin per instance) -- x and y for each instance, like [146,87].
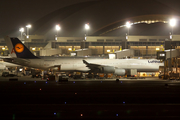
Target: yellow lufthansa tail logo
[19,48]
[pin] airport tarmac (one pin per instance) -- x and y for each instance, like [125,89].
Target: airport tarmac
[33,98]
[29,78]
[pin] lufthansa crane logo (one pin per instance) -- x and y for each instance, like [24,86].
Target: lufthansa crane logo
[19,48]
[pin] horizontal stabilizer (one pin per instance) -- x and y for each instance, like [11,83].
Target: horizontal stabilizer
[18,61]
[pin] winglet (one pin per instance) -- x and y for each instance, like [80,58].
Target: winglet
[85,62]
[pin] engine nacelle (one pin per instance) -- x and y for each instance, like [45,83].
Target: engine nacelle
[111,69]
[108,69]
[119,72]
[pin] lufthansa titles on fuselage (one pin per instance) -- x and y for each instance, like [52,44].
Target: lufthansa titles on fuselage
[154,61]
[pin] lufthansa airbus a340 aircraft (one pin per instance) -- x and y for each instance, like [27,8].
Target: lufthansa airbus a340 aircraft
[21,55]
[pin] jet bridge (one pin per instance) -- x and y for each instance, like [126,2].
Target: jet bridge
[126,53]
[81,52]
[171,68]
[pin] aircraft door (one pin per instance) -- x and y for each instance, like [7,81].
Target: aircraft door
[59,67]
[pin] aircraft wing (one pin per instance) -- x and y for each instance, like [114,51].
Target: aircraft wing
[97,68]
[93,67]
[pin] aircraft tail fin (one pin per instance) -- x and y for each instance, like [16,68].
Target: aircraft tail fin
[18,49]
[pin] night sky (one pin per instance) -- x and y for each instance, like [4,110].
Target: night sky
[18,13]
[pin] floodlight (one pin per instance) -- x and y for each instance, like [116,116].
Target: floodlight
[128,24]
[172,22]
[87,26]
[21,29]
[58,27]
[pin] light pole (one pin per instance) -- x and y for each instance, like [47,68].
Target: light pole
[57,29]
[128,25]
[28,26]
[21,30]
[172,23]
[84,41]
[86,28]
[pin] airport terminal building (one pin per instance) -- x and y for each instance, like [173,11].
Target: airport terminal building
[142,46]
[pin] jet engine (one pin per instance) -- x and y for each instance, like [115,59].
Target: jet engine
[119,71]
[107,69]
[111,69]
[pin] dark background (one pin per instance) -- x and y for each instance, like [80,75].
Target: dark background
[73,14]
